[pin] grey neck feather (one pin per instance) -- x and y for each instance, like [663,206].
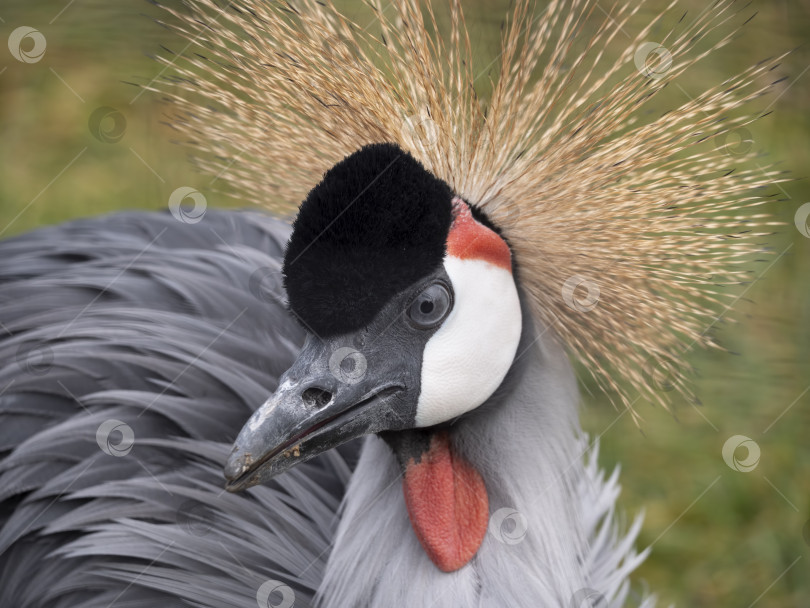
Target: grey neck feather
[551,534]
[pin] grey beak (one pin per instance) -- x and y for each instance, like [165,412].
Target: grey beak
[332,393]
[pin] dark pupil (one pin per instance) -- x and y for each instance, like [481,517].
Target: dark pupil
[430,306]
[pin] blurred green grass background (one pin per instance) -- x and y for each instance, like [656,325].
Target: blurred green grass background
[720,537]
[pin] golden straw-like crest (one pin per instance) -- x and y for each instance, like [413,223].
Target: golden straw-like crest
[593,194]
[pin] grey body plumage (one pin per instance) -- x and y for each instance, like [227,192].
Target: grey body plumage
[179,332]
[176,331]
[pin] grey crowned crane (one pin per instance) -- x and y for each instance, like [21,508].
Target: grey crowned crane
[426,299]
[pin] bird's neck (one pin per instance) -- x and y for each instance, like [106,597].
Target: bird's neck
[526,444]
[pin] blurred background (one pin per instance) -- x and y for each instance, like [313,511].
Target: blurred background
[80,136]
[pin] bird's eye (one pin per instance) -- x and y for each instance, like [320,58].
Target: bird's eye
[431,306]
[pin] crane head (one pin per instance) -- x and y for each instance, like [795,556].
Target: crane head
[413,320]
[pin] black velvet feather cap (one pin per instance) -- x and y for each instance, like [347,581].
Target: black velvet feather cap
[375,224]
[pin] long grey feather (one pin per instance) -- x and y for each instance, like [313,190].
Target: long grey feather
[179,331]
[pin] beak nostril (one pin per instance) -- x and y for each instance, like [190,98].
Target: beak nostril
[316,397]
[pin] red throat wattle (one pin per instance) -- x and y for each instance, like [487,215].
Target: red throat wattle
[447,503]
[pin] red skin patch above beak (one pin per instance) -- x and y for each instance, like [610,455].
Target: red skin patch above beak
[470,239]
[447,503]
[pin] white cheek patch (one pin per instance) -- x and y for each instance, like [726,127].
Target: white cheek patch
[468,357]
